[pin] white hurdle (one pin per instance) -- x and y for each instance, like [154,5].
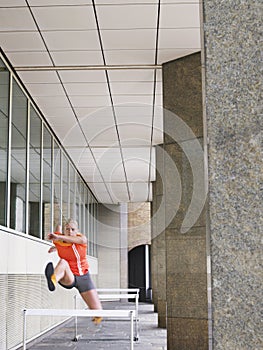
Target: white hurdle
[105,297]
[79,313]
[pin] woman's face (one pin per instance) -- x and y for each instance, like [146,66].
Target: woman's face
[70,229]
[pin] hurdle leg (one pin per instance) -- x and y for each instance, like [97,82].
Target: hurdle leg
[24,329]
[76,338]
[132,336]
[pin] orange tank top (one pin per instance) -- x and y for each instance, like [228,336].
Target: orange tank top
[75,255]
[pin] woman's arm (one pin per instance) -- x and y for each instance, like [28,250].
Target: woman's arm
[79,239]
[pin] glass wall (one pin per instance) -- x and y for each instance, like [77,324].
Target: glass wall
[34,190]
[40,186]
[18,159]
[4,120]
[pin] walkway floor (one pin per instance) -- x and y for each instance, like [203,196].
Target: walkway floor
[110,334]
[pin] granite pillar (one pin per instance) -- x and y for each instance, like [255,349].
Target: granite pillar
[185,210]
[233,96]
[158,248]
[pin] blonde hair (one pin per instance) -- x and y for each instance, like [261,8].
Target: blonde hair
[71,221]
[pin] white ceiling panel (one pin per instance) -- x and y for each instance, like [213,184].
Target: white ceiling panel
[74,137]
[21,41]
[56,2]
[139,191]
[128,39]
[30,58]
[131,75]
[86,89]
[65,18]
[125,2]
[101,192]
[85,112]
[45,89]
[11,3]
[90,101]
[180,38]
[131,88]
[180,16]
[118,191]
[77,58]
[106,138]
[135,133]
[139,99]
[166,55]
[127,16]
[65,114]
[130,57]
[72,40]
[52,101]
[90,76]
[16,18]
[39,77]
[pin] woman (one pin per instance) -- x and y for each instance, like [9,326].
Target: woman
[72,269]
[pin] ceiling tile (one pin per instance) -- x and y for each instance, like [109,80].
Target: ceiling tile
[21,41]
[85,112]
[123,2]
[135,133]
[118,191]
[166,55]
[79,76]
[90,101]
[45,89]
[106,138]
[56,2]
[180,16]
[77,58]
[129,57]
[180,38]
[129,88]
[124,99]
[61,116]
[131,75]
[72,40]
[86,89]
[139,191]
[128,39]
[127,16]
[16,18]
[51,101]
[65,18]
[12,3]
[101,192]
[32,59]
[39,77]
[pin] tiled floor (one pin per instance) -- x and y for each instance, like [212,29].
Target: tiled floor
[110,334]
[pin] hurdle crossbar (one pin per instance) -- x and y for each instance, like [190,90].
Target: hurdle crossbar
[128,314]
[118,290]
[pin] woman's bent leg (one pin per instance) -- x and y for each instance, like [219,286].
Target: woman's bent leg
[91,298]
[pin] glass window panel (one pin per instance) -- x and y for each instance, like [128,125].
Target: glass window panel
[4,116]
[47,181]
[65,188]
[72,175]
[34,173]
[57,186]
[18,159]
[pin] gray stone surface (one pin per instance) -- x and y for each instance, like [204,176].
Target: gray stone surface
[233,60]
[110,334]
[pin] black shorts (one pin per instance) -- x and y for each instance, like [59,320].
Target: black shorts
[82,283]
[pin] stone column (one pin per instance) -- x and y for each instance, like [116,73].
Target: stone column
[158,241]
[233,88]
[185,238]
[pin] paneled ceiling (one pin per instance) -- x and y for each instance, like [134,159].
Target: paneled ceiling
[94,70]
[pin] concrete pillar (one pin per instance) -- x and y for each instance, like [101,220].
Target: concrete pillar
[233,95]
[185,233]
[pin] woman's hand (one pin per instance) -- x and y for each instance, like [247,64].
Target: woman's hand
[53,236]
[52,249]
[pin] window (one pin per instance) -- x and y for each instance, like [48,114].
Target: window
[4,120]
[18,159]
[34,193]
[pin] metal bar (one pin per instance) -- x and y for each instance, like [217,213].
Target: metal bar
[132,336]
[96,67]
[24,329]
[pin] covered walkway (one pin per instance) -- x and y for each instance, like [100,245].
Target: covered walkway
[110,334]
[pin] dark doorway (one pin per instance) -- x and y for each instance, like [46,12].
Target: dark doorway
[139,271]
